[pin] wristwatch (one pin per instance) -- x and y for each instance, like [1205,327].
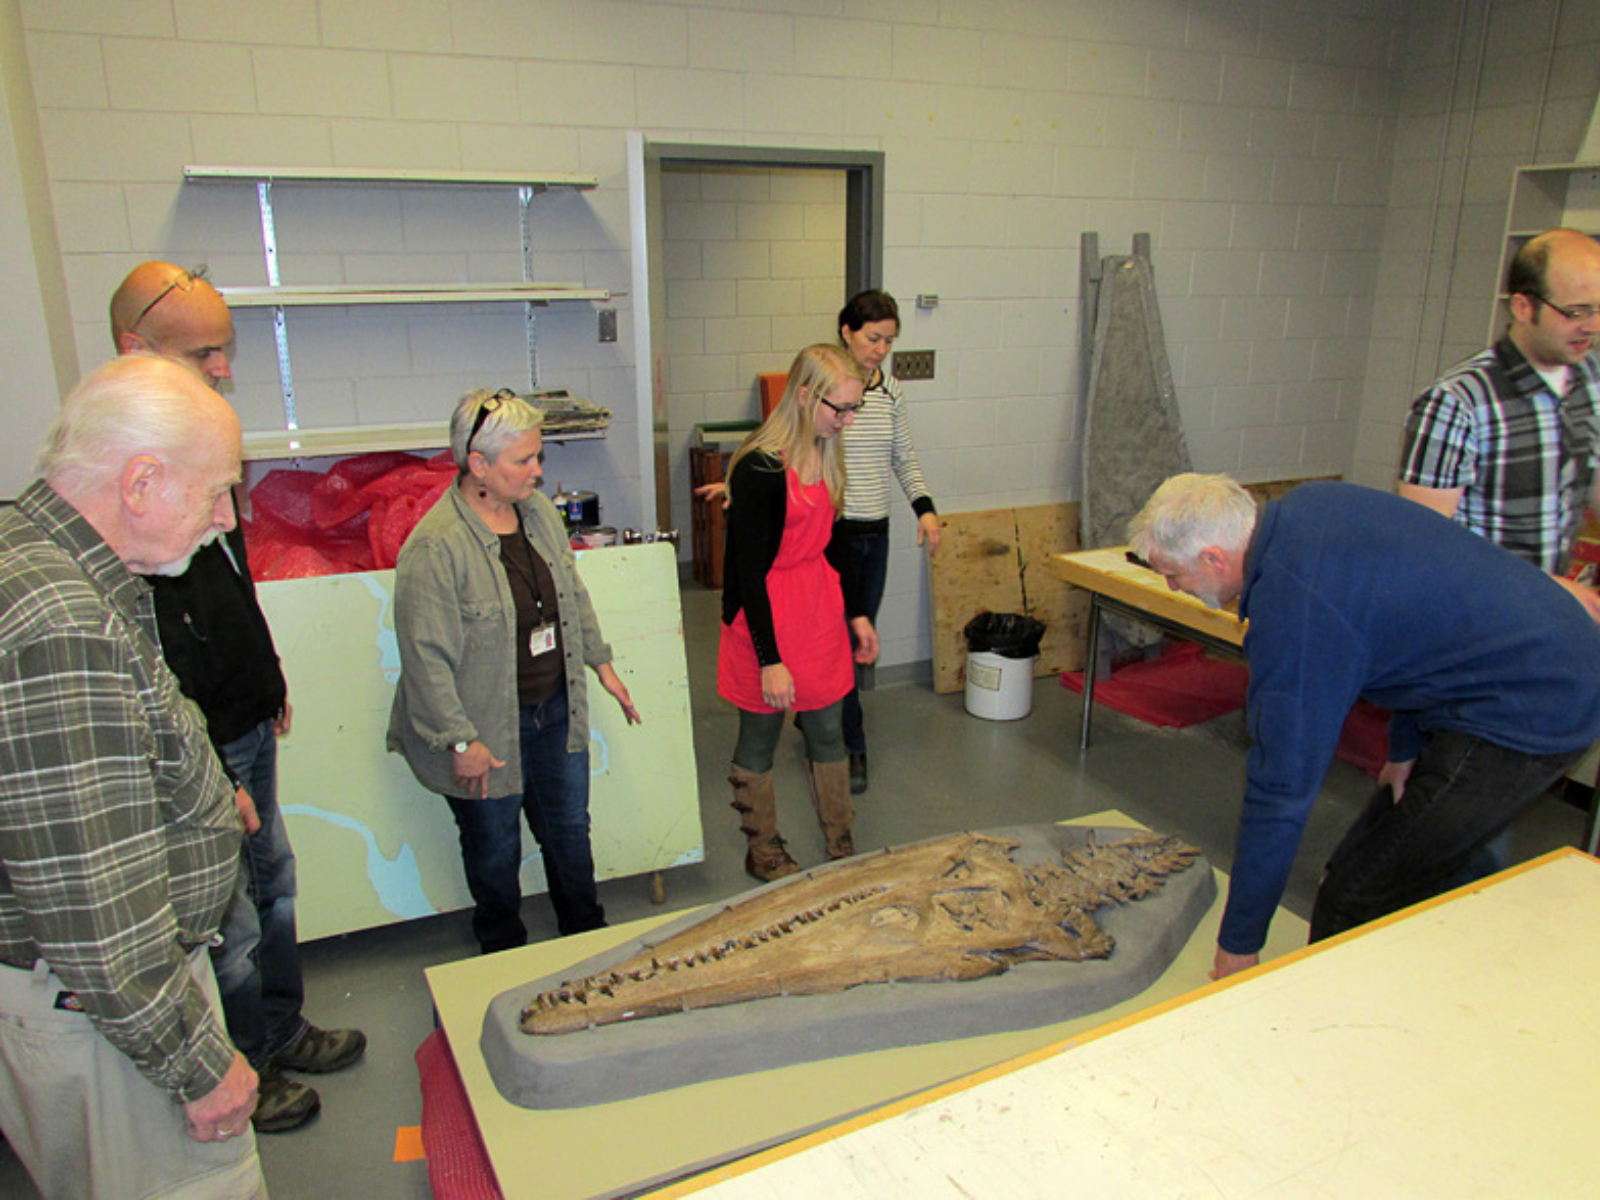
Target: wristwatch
[460,747]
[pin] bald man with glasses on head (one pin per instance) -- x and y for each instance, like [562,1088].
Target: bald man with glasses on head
[175,313]
[215,639]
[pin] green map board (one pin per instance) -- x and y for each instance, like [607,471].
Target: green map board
[373,846]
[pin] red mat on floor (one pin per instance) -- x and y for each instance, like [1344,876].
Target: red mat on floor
[1185,686]
[458,1165]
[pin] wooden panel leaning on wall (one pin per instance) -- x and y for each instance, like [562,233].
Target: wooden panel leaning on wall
[994,561]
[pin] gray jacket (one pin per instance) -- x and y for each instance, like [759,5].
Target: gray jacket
[456,624]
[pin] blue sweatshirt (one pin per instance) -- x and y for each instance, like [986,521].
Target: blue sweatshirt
[1353,592]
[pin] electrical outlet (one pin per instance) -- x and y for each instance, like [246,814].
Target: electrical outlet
[608,324]
[913,364]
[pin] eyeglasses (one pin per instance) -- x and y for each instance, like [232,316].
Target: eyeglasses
[183,282]
[1577,312]
[492,404]
[844,410]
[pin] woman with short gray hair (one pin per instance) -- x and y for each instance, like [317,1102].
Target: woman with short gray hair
[495,629]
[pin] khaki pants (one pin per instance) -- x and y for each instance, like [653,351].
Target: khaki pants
[83,1120]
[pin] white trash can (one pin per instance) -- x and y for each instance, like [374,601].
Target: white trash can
[999,688]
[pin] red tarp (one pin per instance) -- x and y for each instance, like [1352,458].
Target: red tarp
[354,518]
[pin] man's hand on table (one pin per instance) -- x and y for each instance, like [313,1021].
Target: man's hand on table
[1231,964]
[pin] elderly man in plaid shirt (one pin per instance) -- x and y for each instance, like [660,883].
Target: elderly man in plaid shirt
[119,838]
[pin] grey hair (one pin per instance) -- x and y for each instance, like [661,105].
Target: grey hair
[500,428]
[135,404]
[1189,512]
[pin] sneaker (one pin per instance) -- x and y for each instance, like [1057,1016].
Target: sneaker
[282,1103]
[320,1051]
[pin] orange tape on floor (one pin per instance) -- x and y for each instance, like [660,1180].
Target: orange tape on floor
[408,1144]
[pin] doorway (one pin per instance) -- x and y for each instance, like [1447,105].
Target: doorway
[750,252]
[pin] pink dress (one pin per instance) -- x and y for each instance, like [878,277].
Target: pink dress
[807,614]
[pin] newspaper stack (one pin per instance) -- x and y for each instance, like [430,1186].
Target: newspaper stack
[565,414]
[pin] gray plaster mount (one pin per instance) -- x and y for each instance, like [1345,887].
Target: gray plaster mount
[616,1062]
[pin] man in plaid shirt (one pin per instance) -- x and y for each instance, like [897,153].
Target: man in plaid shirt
[119,838]
[1505,442]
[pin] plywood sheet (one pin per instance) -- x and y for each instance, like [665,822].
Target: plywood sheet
[997,561]
[373,846]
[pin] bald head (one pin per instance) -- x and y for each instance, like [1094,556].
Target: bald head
[1554,283]
[166,310]
[147,453]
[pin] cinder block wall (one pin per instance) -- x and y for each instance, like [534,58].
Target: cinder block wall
[753,263]
[1307,258]
[1489,88]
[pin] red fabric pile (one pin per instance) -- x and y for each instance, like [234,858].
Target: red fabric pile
[354,518]
[458,1165]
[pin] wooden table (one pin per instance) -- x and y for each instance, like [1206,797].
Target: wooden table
[1446,1051]
[619,1148]
[1118,585]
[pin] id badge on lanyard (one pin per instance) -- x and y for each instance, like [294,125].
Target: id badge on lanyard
[542,639]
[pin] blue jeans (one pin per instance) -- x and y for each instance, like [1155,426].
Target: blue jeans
[555,802]
[258,962]
[869,551]
[1462,792]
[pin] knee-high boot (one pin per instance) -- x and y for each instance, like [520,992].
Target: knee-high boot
[830,792]
[757,806]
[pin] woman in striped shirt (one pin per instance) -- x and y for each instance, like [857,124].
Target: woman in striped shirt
[876,447]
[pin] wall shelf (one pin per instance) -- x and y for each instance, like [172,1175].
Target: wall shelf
[294,442]
[364,175]
[1543,198]
[324,295]
[267,444]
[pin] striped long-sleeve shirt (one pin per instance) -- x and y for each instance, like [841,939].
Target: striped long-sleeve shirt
[119,840]
[1524,456]
[877,444]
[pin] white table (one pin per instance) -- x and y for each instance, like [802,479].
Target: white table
[1447,1051]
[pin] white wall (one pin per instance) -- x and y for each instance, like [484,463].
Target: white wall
[1489,87]
[36,363]
[753,264]
[1255,140]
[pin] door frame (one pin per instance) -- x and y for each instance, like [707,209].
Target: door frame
[863,268]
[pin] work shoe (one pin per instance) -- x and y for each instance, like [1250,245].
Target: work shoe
[282,1103]
[320,1051]
[767,860]
[858,773]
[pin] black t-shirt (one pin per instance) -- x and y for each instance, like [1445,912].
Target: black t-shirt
[533,590]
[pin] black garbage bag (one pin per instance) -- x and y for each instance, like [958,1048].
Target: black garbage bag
[1010,635]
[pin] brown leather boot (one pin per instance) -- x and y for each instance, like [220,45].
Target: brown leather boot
[757,806]
[830,792]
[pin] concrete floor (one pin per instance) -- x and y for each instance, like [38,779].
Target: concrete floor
[934,769]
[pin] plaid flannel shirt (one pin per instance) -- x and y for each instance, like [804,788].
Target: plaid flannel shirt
[1525,456]
[119,840]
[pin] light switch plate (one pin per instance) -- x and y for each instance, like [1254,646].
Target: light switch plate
[913,364]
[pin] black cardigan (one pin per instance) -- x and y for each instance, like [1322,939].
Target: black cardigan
[755,531]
